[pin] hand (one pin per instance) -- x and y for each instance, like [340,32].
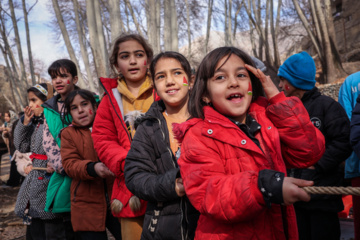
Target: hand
[28,115]
[311,167]
[179,187]
[49,168]
[292,191]
[102,171]
[28,169]
[269,87]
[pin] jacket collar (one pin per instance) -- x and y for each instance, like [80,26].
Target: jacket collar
[311,94]
[52,103]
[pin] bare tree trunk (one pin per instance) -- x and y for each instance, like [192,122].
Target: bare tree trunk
[235,23]
[116,24]
[316,23]
[226,36]
[274,31]
[83,50]
[174,27]
[229,23]
[157,19]
[267,47]
[18,44]
[251,31]
[208,26]
[67,41]
[31,65]
[151,24]
[307,28]
[167,25]
[100,66]
[134,17]
[330,67]
[188,27]
[101,36]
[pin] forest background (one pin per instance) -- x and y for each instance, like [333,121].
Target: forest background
[83,31]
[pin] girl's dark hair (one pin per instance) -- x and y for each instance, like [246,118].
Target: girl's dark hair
[207,70]
[37,92]
[175,55]
[62,64]
[124,38]
[85,94]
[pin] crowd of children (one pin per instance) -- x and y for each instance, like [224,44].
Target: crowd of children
[166,154]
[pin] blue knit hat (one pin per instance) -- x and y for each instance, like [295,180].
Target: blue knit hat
[299,70]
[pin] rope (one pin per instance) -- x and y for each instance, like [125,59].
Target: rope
[39,168]
[333,190]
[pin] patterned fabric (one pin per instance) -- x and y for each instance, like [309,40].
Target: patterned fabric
[52,150]
[32,194]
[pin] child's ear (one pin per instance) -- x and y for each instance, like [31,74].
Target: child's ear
[192,81]
[75,79]
[206,100]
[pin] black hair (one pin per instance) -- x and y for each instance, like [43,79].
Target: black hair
[207,70]
[85,94]
[37,92]
[175,55]
[60,65]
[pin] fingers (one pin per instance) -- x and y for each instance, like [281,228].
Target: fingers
[301,182]
[292,191]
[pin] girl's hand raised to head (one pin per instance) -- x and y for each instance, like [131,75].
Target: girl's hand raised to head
[28,115]
[292,191]
[269,87]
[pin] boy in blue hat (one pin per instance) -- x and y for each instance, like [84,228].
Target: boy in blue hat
[318,218]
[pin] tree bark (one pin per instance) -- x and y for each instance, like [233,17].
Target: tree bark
[229,23]
[116,24]
[167,26]
[151,16]
[67,41]
[208,26]
[188,27]
[158,17]
[330,67]
[174,27]
[101,36]
[31,65]
[18,44]
[274,32]
[235,20]
[83,50]
[251,32]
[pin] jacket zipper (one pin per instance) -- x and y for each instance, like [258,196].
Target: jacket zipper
[77,186]
[167,147]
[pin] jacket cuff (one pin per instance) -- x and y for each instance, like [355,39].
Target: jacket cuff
[277,98]
[90,168]
[270,184]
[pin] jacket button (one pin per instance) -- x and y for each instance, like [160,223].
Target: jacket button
[243,141]
[269,127]
[210,131]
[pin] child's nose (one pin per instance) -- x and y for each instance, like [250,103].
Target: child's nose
[169,80]
[132,59]
[233,82]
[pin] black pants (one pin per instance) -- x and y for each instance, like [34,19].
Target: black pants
[46,230]
[317,225]
[15,178]
[112,224]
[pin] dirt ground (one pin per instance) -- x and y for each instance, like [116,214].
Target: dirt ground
[11,226]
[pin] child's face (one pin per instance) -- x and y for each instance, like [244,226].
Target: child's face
[286,87]
[35,104]
[64,83]
[132,61]
[171,82]
[7,117]
[228,88]
[82,111]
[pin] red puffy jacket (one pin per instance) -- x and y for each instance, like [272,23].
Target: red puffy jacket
[112,143]
[219,165]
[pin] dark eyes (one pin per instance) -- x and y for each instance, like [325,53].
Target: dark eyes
[125,56]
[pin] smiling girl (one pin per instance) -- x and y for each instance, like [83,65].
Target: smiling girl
[236,148]
[91,180]
[126,96]
[151,169]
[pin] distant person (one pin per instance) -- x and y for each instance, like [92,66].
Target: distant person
[348,93]
[318,218]
[14,178]
[9,118]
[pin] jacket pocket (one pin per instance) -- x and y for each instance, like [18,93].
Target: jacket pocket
[75,191]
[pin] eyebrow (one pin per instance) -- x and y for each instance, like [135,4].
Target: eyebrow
[239,68]
[172,70]
[129,52]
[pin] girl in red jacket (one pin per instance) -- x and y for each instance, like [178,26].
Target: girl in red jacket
[237,146]
[125,97]
[91,180]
